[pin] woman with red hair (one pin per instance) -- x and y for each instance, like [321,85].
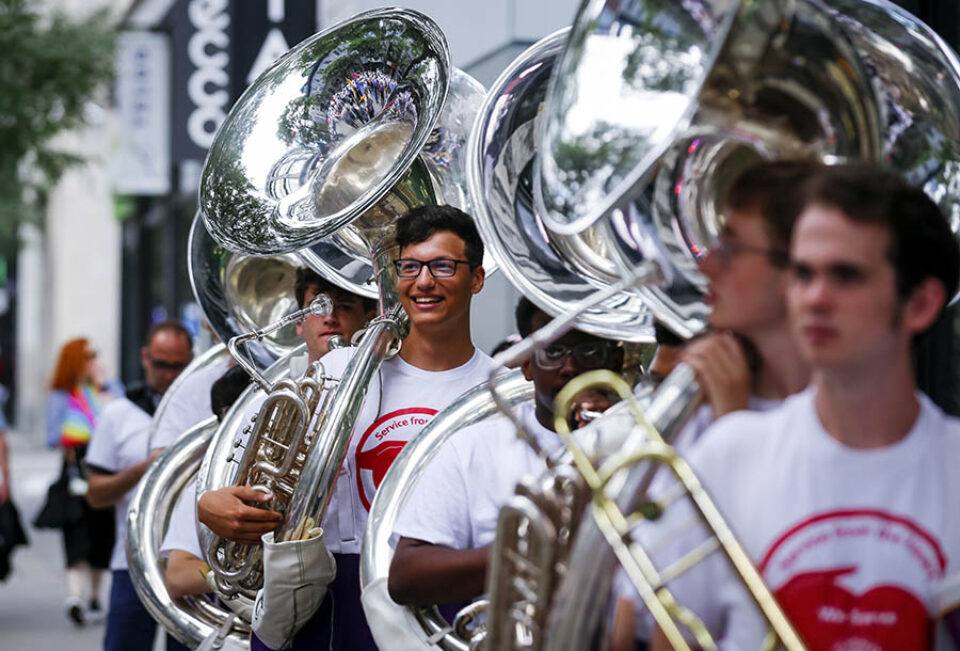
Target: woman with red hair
[76,398]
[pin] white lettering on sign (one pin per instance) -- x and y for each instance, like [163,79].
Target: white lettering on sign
[207,86]
[276,10]
[274,46]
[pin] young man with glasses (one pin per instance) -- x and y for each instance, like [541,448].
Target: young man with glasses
[846,496]
[439,264]
[116,459]
[448,524]
[749,360]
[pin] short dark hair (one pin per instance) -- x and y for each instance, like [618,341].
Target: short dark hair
[169,325]
[227,389]
[524,316]
[922,245]
[420,223]
[307,278]
[665,336]
[774,190]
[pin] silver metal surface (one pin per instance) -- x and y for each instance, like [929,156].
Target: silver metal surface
[238,293]
[325,133]
[741,82]
[195,618]
[376,553]
[502,149]
[345,260]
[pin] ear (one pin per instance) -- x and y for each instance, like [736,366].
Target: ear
[479,274]
[525,367]
[923,306]
[144,357]
[300,329]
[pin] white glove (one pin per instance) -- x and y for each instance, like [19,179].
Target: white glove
[296,574]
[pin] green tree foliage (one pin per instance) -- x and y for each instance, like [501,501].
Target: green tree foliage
[51,66]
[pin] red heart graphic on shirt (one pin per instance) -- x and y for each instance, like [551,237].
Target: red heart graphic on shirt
[831,618]
[378,460]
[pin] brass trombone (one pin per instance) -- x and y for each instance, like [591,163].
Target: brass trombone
[645,447]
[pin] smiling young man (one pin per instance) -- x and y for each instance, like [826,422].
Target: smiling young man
[449,522]
[846,497]
[439,265]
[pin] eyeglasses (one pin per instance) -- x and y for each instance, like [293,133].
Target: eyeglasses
[587,354]
[161,365]
[726,250]
[439,267]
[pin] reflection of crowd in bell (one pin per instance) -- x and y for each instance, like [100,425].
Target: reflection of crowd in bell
[796,407]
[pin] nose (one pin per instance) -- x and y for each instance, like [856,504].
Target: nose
[815,293]
[570,368]
[425,278]
[709,263]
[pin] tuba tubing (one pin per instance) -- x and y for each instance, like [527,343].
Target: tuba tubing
[156,495]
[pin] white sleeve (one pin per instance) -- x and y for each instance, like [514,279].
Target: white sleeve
[438,509]
[102,449]
[182,532]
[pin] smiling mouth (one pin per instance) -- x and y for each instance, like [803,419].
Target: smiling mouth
[426,300]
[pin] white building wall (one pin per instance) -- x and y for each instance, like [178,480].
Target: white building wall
[69,274]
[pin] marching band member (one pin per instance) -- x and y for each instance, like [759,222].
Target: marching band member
[449,522]
[846,495]
[750,361]
[440,269]
[116,460]
[350,313]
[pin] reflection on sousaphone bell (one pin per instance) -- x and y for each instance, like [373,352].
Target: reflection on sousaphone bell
[239,293]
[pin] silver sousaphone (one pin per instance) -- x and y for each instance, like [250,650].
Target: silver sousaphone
[351,128]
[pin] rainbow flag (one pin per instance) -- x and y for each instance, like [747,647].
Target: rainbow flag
[83,406]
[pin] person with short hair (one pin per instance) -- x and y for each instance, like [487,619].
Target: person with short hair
[447,525]
[439,264]
[116,459]
[350,313]
[749,360]
[845,497]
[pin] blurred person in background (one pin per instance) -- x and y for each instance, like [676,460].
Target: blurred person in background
[116,460]
[77,395]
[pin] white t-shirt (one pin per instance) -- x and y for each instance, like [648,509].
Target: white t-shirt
[401,400]
[703,418]
[182,531]
[456,501]
[189,405]
[118,442]
[860,547]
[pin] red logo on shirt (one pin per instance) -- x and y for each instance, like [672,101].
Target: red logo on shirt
[382,442]
[856,580]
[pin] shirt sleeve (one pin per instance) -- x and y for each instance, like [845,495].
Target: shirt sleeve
[438,510]
[101,451]
[56,405]
[182,532]
[189,406]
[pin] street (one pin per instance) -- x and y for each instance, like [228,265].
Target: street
[32,615]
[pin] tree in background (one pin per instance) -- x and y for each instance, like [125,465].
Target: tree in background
[51,68]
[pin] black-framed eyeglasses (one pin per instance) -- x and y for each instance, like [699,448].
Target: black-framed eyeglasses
[161,365]
[726,250]
[439,267]
[587,354]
